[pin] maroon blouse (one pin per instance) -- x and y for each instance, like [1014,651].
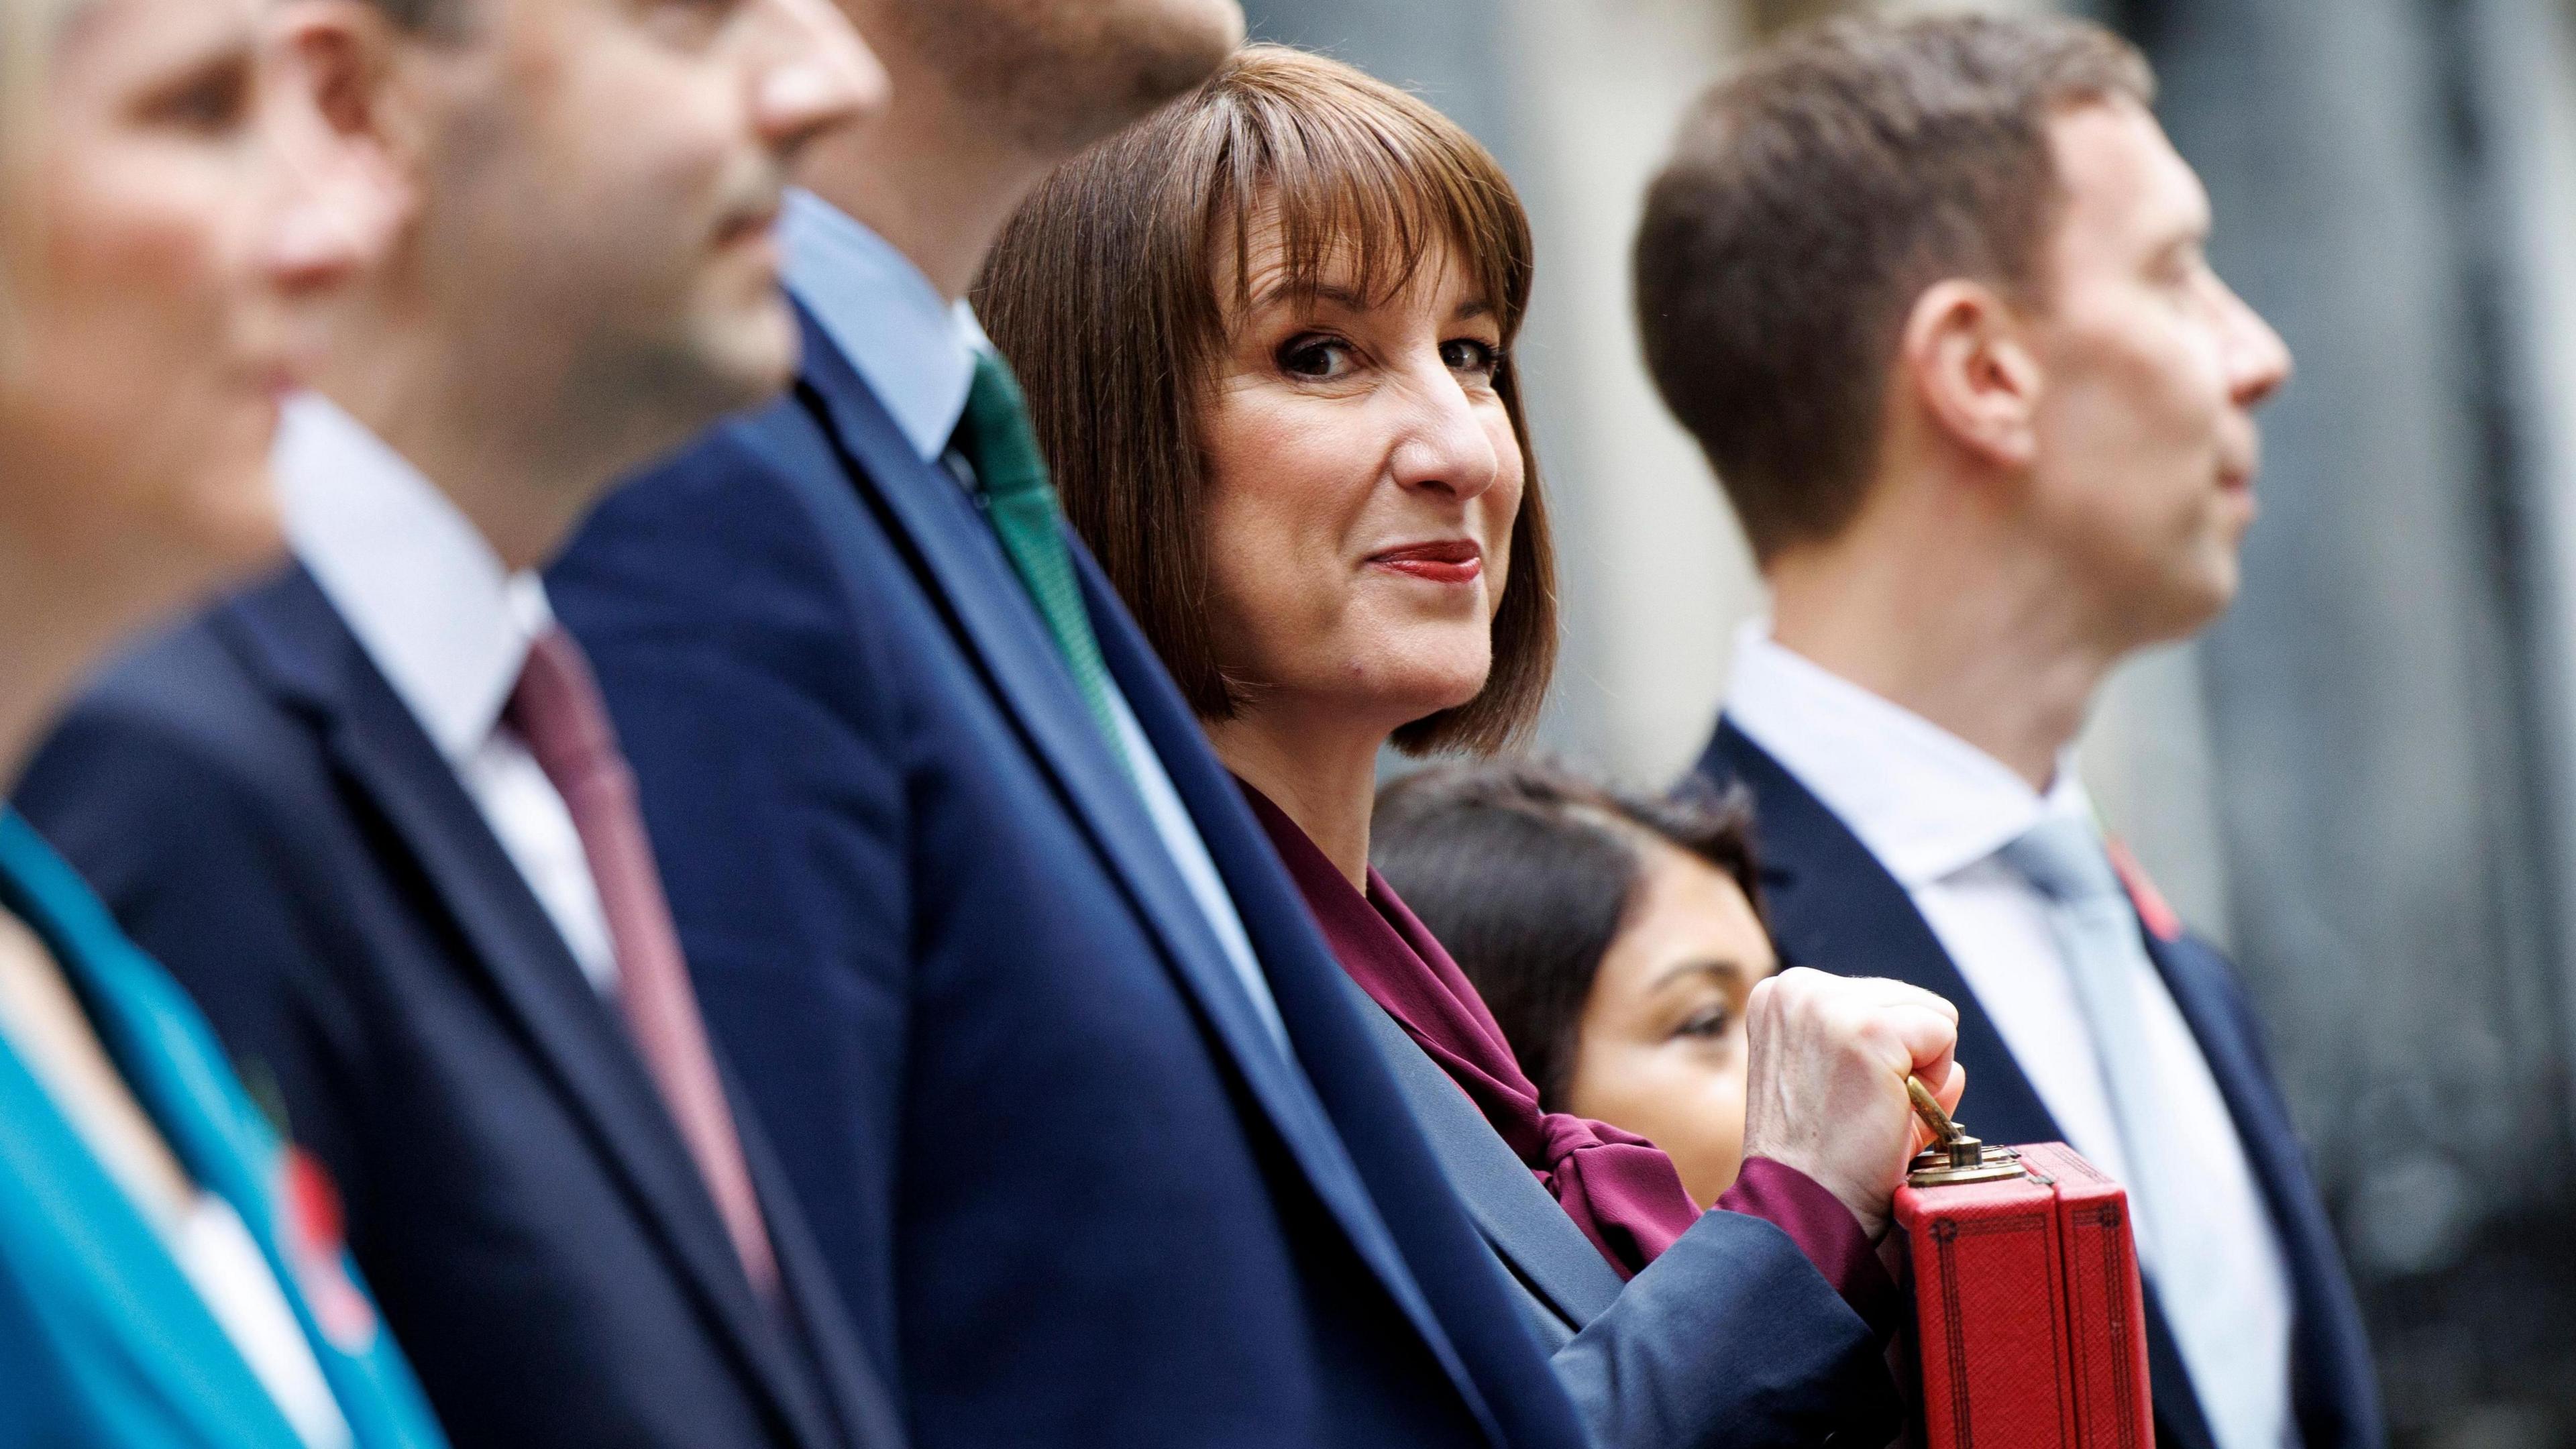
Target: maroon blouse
[1620,1189]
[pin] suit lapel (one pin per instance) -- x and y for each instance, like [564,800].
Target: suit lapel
[2322,1345]
[930,516]
[1518,1218]
[1835,908]
[1314,995]
[971,580]
[298,644]
[2260,1120]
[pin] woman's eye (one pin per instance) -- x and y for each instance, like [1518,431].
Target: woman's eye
[213,101]
[1477,359]
[1710,1023]
[691,22]
[1316,357]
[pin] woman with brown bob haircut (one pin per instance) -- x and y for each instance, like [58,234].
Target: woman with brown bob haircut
[1110,298]
[1266,339]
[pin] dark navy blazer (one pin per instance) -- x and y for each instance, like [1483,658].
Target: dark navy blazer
[264,815]
[1833,906]
[1075,1193]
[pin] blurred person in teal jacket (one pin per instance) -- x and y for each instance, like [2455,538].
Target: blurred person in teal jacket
[172,209]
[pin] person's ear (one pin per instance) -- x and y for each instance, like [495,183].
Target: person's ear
[1966,358]
[353,134]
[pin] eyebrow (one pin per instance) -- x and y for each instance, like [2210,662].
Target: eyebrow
[2182,238]
[1287,290]
[1732,970]
[1470,310]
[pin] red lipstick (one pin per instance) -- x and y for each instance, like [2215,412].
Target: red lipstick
[1446,561]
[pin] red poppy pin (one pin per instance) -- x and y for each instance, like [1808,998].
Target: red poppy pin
[318,1244]
[2159,918]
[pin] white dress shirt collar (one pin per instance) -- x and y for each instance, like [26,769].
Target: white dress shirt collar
[449,628]
[444,621]
[1925,802]
[913,348]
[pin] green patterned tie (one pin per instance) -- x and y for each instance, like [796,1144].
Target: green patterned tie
[1025,514]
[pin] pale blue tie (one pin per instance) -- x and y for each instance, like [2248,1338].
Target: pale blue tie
[2106,962]
[2104,949]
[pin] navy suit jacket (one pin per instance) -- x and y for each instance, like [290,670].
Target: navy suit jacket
[1834,907]
[1074,1191]
[263,814]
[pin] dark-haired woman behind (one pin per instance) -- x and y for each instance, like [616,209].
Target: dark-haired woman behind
[1616,938]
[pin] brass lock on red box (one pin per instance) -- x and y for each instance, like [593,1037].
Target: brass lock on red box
[2030,1323]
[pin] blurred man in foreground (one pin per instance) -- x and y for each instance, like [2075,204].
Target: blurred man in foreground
[1932,296]
[371,813]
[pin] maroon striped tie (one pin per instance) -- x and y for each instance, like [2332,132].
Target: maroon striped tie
[557,710]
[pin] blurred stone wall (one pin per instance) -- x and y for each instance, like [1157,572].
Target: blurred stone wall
[2385,702]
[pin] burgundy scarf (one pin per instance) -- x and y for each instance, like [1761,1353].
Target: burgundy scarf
[1620,1190]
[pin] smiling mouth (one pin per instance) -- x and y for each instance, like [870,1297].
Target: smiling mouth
[1451,561]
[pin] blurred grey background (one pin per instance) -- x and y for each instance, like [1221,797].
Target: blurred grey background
[2364,780]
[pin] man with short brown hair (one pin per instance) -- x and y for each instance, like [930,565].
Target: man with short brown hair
[1932,296]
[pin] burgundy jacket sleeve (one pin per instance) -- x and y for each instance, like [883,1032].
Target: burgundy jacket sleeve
[1825,1231]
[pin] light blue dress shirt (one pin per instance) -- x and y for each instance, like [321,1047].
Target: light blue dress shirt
[916,350]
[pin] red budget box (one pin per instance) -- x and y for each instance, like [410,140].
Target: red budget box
[2030,1325]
